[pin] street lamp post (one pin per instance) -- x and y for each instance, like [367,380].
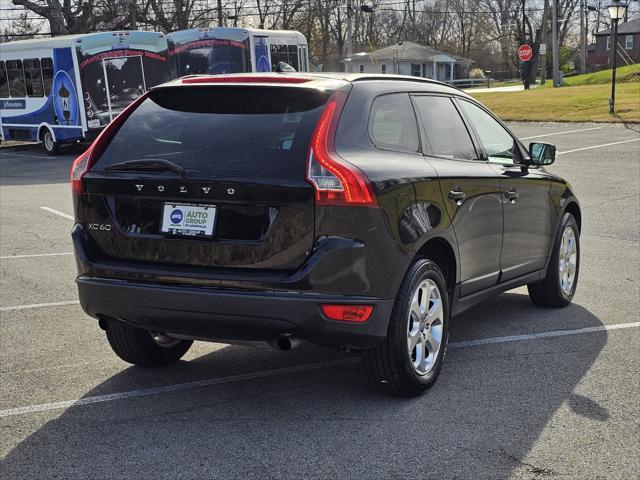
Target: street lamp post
[617,10]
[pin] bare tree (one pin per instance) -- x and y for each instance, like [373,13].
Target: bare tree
[21,28]
[65,17]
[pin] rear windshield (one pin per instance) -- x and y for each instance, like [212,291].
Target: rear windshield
[223,131]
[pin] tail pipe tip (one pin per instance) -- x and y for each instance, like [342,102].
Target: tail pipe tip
[286,342]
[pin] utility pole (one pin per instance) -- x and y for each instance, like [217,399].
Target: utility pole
[348,60]
[554,43]
[220,19]
[545,38]
[583,39]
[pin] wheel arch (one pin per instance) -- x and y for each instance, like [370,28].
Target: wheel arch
[573,208]
[443,254]
[45,126]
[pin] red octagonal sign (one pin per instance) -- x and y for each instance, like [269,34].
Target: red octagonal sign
[525,52]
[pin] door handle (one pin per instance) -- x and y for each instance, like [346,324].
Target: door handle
[511,195]
[456,195]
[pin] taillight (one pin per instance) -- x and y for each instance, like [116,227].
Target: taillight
[336,182]
[83,163]
[347,313]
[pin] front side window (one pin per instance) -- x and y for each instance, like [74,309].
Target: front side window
[415,69]
[4,82]
[384,68]
[498,143]
[16,78]
[629,42]
[33,77]
[445,129]
[392,123]
[608,42]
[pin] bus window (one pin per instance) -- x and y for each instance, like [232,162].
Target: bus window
[16,78]
[33,77]
[278,54]
[4,84]
[293,56]
[47,74]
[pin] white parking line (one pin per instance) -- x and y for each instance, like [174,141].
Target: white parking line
[282,371]
[561,133]
[38,305]
[535,336]
[34,255]
[600,146]
[172,388]
[56,212]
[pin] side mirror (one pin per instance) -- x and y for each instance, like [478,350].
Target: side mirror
[542,153]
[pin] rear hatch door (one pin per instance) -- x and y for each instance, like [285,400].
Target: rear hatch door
[208,176]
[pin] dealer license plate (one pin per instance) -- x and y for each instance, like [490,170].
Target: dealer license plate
[189,220]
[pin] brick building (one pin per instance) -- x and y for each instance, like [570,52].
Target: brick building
[599,53]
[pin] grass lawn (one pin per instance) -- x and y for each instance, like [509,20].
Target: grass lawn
[586,103]
[623,74]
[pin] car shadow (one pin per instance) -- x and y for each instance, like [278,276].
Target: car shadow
[489,406]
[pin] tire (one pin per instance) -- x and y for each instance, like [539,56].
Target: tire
[137,346]
[555,290]
[390,365]
[50,146]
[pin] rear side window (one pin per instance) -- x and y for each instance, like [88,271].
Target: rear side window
[447,134]
[261,132]
[392,123]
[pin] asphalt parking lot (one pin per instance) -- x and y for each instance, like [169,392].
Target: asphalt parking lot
[525,392]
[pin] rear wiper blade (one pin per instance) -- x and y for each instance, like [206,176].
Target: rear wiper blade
[152,165]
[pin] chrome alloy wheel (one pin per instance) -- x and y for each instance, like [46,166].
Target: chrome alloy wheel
[163,340]
[47,138]
[425,327]
[568,260]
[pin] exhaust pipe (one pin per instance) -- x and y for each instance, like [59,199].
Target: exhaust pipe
[285,342]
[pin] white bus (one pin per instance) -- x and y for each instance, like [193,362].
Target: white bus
[235,50]
[64,89]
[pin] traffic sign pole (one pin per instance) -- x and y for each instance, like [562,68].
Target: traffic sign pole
[525,53]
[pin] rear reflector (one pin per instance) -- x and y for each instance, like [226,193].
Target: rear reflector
[335,181]
[246,79]
[347,313]
[84,162]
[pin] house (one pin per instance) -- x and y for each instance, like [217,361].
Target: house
[409,58]
[599,53]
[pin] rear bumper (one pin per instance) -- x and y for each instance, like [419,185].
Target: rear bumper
[200,312]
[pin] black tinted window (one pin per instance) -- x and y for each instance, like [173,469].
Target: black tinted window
[4,83]
[16,78]
[47,74]
[222,131]
[33,77]
[445,130]
[392,123]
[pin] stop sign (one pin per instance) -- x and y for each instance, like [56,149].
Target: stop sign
[525,52]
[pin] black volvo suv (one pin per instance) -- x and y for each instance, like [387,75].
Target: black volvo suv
[354,211]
